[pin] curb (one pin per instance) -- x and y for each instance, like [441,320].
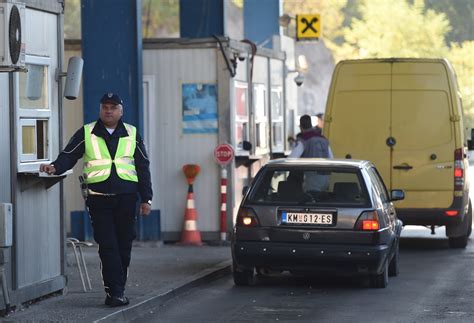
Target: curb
[134,312]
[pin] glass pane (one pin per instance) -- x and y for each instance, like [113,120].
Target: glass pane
[277,133]
[318,186]
[241,101]
[34,87]
[42,138]
[277,110]
[261,135]
[28,140]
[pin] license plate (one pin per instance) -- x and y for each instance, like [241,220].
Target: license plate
[306,218]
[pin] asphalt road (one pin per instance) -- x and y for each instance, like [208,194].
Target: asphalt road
[435,284]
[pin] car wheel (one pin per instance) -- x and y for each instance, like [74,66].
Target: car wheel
[380,280]
[242,277]
[393,267]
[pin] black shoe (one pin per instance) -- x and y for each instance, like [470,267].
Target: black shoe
[115,301]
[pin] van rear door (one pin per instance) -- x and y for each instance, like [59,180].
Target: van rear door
[359,110]
[423,153]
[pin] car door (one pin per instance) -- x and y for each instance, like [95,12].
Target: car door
[422,135]
[359,114]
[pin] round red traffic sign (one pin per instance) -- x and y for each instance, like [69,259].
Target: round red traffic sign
[223,154]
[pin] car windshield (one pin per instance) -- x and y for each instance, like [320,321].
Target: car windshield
[310,186]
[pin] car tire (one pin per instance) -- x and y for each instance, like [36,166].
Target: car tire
[393,267]
[380,280]
[243,277]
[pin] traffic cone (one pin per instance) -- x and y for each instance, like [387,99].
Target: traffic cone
[190,234]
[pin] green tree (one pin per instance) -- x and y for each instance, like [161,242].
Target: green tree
[160,18]
[72,19]
[395,29]
[462,58]
[460,14]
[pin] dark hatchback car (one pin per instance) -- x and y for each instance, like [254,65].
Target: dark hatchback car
[317,216]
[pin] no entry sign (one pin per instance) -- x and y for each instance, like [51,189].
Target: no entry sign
[223,154]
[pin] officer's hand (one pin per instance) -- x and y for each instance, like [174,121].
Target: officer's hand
[145,209]
[46,168]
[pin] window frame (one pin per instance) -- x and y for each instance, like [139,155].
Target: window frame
[29,116]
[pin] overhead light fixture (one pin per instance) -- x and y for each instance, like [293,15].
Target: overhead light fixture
[284,20]
[302,64]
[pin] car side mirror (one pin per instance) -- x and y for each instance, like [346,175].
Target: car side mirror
[470,144]
[245,189]
[397,195]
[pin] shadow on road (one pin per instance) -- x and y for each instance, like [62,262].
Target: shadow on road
[423,243]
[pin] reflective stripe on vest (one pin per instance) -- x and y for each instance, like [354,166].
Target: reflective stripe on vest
[97,160]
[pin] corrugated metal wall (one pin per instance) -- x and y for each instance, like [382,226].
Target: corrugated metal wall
[5,157]
[171,149]
[37,230]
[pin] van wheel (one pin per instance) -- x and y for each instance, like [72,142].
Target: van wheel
[458,242]
[393,268]
[380,280]
[461,242]
[242,277]
[469,221]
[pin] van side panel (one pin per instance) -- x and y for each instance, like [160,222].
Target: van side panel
[424,134]
[360,114]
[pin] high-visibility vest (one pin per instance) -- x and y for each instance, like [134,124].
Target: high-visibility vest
[97,160]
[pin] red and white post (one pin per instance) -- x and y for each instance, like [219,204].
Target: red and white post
[223,203]
[223,155]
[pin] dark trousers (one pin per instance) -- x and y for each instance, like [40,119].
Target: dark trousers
[113,222]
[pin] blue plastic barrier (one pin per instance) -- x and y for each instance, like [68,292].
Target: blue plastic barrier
[147,228]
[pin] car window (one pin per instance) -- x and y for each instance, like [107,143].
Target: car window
[379,186]
[310,186]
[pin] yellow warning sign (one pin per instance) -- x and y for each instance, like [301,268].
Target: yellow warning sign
[308,26]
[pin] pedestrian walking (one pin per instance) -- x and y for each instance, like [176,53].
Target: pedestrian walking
[320,121]
[310,143]
[116,171]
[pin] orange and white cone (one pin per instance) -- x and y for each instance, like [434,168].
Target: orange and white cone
[190,234]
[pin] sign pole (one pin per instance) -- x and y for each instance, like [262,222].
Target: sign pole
[223,155]
[223,203]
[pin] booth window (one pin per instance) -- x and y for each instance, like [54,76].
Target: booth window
[261,116]
[277,119]
[34,114]
[34,140]
[241,115]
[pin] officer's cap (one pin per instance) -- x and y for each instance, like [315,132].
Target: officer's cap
[111,98]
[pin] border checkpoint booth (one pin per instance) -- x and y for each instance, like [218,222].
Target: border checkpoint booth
[199,93]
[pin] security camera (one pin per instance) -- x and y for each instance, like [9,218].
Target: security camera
[73,78]
[242,56]
[299,79]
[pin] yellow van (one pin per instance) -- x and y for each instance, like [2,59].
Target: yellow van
[405,115]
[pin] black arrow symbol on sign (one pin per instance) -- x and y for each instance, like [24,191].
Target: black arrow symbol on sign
[309,24]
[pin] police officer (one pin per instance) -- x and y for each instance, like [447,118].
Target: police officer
[116,168]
